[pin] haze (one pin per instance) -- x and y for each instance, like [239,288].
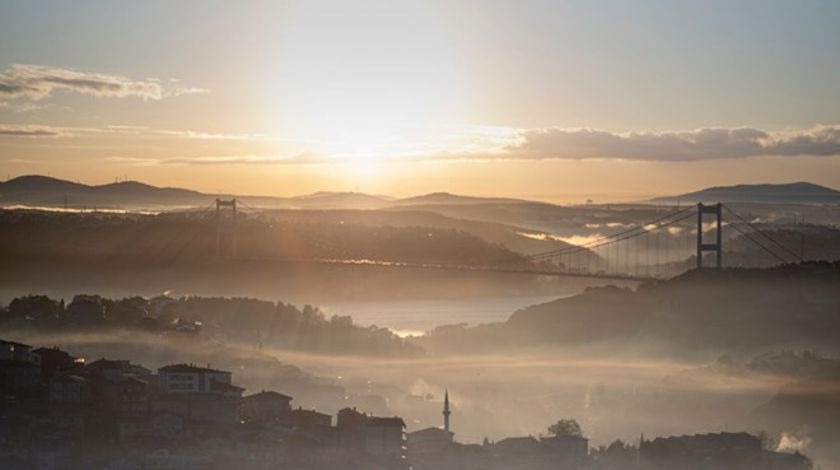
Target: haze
[557,101]
[420,235]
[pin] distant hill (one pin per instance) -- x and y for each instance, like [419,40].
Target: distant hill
[699,314]
[449,198]
[790,193]
[334,200]
[38,190]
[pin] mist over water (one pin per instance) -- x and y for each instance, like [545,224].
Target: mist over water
[416,317]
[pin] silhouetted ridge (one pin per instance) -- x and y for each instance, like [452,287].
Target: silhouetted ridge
[792,193]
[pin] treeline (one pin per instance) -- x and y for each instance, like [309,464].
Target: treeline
[257,323]
[27,236]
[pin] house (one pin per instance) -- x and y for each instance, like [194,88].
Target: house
[188,378]
[131,429]
[306,419]
[13,351]
[168,425]
[385,437]
[518,446]
[429,440]
[265,405]
[128,397]
[567,448]
[785,461]
[54,360]
[226,390]
[702,451]
[68,389]
[109,369]
[350,419]
[18,376]
[350,424]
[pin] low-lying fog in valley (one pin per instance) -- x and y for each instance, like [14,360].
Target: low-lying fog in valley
[637,379]
[385,310]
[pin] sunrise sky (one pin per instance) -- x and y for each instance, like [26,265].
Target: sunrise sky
[553,100]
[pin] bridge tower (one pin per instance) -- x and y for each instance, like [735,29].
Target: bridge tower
[226,226]
[717,246]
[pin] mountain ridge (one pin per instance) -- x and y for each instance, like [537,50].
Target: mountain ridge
[799,192]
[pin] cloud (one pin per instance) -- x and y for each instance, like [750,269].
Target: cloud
[21,107]
[301,159]
[699,144]
[27,131]
[36,82]
[122,130]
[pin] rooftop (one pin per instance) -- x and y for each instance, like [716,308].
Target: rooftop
[267,394]
[377,421]
[189,368]
[221,386]
[14,343]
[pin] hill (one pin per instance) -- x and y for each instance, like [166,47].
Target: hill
[790,193]
[340,200]
[710,312]
[37,190]
[449,199]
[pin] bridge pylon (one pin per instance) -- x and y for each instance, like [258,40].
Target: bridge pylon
[226,226]
[717,246]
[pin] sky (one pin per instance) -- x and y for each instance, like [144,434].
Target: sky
[553,100]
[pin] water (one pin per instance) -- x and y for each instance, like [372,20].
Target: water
[415,317]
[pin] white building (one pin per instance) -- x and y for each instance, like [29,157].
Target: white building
[187,378]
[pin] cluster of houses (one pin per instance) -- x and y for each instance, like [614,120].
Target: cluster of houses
[61,412]
[58,411]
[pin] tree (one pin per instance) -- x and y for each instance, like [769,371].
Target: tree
[565,428]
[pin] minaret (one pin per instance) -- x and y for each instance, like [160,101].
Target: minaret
[446,411]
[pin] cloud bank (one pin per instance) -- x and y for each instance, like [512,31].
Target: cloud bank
[36,82]
[699,144]
[299,159]
[506,144]
[27,131]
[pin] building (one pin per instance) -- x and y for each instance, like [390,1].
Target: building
[265,405]
[733,451]
[68,389]
[54,360]
[128,397]
[107,369]
[567,448]
[188,378]
[385,437]
[433,440]
[13,351]
[19,376]
[429,440]
[305,419]
[702,451]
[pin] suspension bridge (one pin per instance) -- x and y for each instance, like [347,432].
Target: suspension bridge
[677,241]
